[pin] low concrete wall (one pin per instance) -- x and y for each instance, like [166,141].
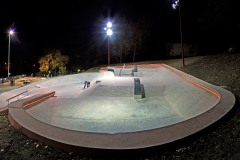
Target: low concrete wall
[189,98]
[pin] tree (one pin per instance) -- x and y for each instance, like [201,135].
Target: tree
[124,33]
[219,21]
[130,37]
[141,30]
[54,62]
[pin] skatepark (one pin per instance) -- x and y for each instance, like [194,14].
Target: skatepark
[124,107]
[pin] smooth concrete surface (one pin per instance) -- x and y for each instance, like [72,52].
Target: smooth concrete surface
[108,108]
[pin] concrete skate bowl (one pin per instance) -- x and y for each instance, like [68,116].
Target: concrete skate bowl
[107,116]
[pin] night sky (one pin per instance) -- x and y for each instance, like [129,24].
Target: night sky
[72,25]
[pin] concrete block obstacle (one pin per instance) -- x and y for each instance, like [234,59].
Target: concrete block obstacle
[135,70]
[138,89]
[111,70]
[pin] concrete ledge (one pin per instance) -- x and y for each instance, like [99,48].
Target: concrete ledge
[111,70]
[28,102]
[138,93]
[37,99]
[135,69]
[31,101]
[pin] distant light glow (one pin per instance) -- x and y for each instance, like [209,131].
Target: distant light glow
[109,32]
[109,24]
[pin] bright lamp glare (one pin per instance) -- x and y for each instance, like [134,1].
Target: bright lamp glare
[11,31]
[109,25]
[109,32]
[174,6]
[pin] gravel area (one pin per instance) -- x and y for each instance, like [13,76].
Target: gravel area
[219,141]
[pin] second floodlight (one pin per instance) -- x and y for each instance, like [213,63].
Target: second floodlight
[109,32]
[109,24]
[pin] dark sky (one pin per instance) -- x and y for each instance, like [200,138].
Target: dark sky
[43,25]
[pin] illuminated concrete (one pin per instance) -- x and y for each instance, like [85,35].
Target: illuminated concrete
[109,106]
[172,98]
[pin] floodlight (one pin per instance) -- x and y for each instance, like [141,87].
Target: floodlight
[109,24]
[11,31]
[109,32]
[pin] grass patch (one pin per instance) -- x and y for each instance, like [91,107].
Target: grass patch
[93,69]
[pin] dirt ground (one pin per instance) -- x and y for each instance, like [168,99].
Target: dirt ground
[18,82]
[219,141]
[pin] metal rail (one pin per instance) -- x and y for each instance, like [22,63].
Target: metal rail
[16,96]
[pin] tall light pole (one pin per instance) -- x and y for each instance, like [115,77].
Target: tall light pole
[11,31]
[175,5]
[109,33]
